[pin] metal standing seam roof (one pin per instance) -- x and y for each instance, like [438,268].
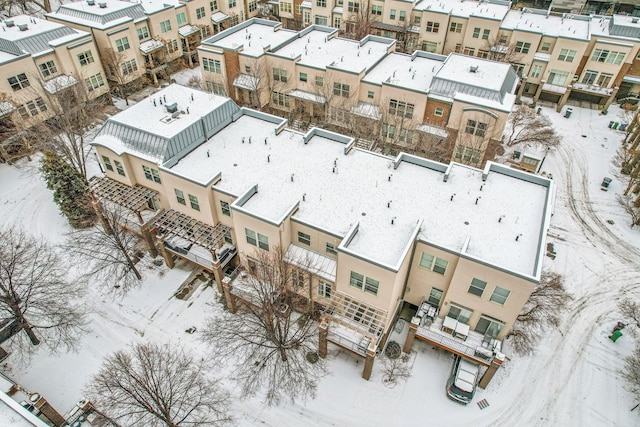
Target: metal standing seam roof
[135,11]
[137,139]
[34,43]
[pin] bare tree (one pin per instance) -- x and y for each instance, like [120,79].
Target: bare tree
[35,294]
[119,74]
[474,141]
[273,348]
[359,20]
[396,370]
[630,205]
[540,312]
[499,50]
[109,249]
[525,126]
[158,385]
[630,309]
[9,8]
[631,372]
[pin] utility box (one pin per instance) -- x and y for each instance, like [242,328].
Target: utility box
[568,112]
[605,184]
[615,335]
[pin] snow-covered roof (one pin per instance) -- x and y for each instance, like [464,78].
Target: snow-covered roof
[318,264]
[495,10]
[252,37]
[150,46]
[149,128]
[365,109]
[153,6]
[14,415]
[318,47]
[484,79]
[58,83]
[358,190]
[413,72]
[540,21]
[308,96]
[433,130]
[36,36]
[187,30]
[245,81]
[218,17]
[95,16]
[619,26]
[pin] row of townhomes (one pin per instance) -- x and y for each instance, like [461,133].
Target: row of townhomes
[214,183]
[430,104]
[559,56]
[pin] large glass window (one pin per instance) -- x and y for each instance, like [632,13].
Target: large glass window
[193,201]
[435,295]
[19,82]
[487,325]
[212,65]
[324,289]
[180,196]
[304,238]
[460,313]
[122,44]
[48,69]
[356,280]
[401,109]
[224,206]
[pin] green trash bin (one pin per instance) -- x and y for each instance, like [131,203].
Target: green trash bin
[615,335]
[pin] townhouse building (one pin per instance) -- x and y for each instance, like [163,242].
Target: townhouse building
[213,183]
[138,39]
[443,107]
[39,60]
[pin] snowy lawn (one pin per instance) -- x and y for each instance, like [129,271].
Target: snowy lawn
[572,380]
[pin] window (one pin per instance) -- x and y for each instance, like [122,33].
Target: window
[280,99]
[253,6]
[401,109]
[477,287]
[304,238]
[303,77]
[224,206]
[429,46]
[460,313]
[388,131]
[557,78]
[165,26]
[485,34]
[468,154]
[119,168]
[336,22]
[217,88]
[143,33]
[251,237]
[321,20]
[181,18]
[193,201]
[107,163]
[228,238]
[433,27]
[545,47]
[530,161]
[285,7]
[122,44]
[341,89]
[476,128]
[518,68]
[232,3]
[438,112]
[212,65]
[324,289]
[437,265]
[330,248]
[48,68]
[129,67]
[589,77]
[376,10]
[469,51]
[370,94]
[151,174]
[263,242]
[85,58]
[615,58]
[234,19]
[172,46]
[604,79]
[476,33]
[371,286]
[297,278]
[417,20]
[426,260]
[392,14]
[489,326]
[500,295]
[455,27]
[94,82]
[403,16]
[180,196]
[280,75]
[356,280]
[601,55]
[306,17]
[319,81]
[321,3]
[536,70]
[522,47]
[339,115]
[440,266]
[566,55]
[19,82]
[353,7]
[213,5]
[200,13]
[503,38]
[434,297]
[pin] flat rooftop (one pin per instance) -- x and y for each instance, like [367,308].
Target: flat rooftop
[318,49]
[365,189]
[539,21]
[115,12]
[251,37]
[410,72]
[466,8]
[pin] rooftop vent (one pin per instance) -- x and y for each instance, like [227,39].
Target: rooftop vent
[172,108]
[9,23]
[634,20]
[23,27]
[473,68]
[102,5]
[91,2]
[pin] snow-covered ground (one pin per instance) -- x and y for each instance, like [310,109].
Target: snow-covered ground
[573,380]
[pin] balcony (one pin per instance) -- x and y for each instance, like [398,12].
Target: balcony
[592,89]
[455,337]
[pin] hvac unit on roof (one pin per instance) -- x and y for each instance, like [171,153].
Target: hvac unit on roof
[634,20]
[23,27]
[102,5]
[91,2]
[172,108]
[473,68]
[9,23]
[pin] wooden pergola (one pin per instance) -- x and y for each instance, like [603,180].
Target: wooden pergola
[133,198]
[173,223]
[358,316]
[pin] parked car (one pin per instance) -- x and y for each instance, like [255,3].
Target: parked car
[462,382]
